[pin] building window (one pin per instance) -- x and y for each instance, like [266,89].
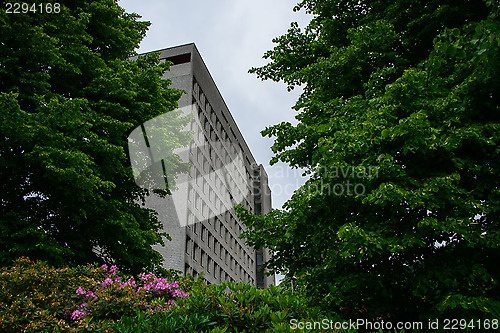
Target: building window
[188,245]
[202,97]
[260,259]
[195,88]
[211,194]
[204,209]
[195,252]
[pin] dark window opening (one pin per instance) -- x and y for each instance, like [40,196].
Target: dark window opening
[180,59]
[260,279]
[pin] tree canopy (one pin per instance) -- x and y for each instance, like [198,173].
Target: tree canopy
[398,131]
[69,99]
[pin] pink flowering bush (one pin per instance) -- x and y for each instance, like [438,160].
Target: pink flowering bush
[114,297]
[35,297]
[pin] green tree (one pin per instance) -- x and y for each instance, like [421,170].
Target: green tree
[69,99]
[398,130]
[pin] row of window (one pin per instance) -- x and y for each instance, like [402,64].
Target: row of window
[212,267]
[224,257]
[220,245]
[220,223]
[212,126]
[213,187]
[218,273]
[209,156]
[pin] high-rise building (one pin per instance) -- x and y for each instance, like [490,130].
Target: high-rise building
[199,216]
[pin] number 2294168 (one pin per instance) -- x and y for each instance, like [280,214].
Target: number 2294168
[25,8]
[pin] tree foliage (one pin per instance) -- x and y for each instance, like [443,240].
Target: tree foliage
[398,129]
[69,98]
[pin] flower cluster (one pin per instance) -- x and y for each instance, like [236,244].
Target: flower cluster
[134,295]
[80,312]
[160,286]
[161,307]
[80,292]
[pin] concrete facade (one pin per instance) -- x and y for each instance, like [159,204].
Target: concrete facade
[205,232]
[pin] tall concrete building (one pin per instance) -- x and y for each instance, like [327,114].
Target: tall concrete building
[199,216]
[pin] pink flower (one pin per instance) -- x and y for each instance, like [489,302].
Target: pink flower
[113,269]
[130,283]
[179,294]
[80,291]
[80,312]
[106,282]
[146,277]
[77,314]
[91,294]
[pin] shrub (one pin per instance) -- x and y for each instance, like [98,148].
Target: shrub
[228,307]
[34,297]
[114,297]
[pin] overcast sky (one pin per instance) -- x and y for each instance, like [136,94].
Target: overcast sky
[232,36]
